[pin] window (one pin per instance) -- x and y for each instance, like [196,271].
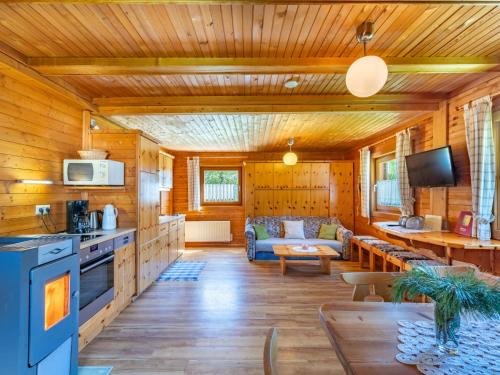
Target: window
[496,133]
[220,186]
[386,188]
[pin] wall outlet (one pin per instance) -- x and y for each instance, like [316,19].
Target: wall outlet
[42,209]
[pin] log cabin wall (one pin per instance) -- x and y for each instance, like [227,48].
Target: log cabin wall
[457,198]
[38,129]
[235,214]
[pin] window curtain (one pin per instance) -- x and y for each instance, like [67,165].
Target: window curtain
[193,165]
[403,148]
[364,168]
[481,149]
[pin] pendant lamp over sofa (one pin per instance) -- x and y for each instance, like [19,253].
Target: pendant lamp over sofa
[367,75]
[290,158]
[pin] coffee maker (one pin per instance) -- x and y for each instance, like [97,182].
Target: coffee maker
[77,216]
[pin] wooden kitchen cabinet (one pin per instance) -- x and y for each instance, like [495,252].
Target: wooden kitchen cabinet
[149,155]
[264,205]
[282,176]
[282,202]
[300,202]
[264,175]
[166,171]
[320,175]
[320,203]
[301,176]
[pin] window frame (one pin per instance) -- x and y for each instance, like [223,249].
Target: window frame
[389,212]
[218,168]
[495,226]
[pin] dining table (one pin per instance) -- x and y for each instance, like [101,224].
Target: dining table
[365,334]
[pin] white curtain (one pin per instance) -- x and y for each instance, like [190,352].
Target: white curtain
[403,148]
[481,149]
[364,178]
[193,166]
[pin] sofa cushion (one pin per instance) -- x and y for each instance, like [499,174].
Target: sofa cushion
[274,224]
[261,232]
[294,229]
[267,245]
[328,231]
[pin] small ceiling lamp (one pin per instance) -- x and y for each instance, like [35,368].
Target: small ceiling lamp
[291,83]
[368,74]
[93,125]
[290,158]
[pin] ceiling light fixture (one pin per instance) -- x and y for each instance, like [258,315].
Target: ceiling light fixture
[290,158]
[368,74]
[291,83]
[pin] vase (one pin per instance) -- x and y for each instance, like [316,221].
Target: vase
[447,326]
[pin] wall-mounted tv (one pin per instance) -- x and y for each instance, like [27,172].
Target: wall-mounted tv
[433,168]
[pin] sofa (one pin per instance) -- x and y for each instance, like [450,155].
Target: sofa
[263,249]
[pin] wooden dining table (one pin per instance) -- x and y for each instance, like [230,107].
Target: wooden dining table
[365,334]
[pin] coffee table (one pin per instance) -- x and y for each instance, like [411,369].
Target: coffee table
[324,253]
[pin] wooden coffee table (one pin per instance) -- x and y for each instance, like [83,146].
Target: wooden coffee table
[324,253]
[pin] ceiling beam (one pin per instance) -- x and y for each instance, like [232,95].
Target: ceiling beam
[208,65]
[266,104]
[461,2]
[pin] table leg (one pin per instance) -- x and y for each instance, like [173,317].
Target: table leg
[360,256]
[449,258]
[325,265]
[283,265]
[372,261]
[384,263]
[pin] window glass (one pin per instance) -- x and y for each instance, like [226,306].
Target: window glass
[386,184]
[221,185]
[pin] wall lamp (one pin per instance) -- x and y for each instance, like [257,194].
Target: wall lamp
[36,182]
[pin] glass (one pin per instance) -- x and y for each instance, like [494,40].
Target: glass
[95,282]
[221,186]
[56,300]
[447,327]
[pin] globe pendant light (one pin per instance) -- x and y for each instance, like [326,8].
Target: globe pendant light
[290,158]
[368,74]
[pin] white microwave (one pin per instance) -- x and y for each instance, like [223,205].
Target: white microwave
[93,172]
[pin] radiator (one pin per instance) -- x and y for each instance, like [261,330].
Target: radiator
[208,231]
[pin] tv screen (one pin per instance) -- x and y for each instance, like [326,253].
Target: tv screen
[432,168]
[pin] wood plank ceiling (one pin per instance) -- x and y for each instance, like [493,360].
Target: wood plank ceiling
[256,31]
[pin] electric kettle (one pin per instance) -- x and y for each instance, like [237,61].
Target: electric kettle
[109,215]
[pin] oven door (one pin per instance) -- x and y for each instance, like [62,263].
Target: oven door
[53,306]
[96,286]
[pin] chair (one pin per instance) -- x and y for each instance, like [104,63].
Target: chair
[370,286]
[270,352]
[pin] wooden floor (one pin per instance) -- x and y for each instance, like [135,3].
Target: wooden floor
[218,324]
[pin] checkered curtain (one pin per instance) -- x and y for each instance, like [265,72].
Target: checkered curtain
[481,149]
[364,169]
[403,148]
[193,165]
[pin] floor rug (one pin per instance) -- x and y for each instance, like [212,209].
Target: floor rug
[183,271]
[94,370]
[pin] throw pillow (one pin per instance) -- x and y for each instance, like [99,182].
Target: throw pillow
[294,229]
[261,232]
[328,231]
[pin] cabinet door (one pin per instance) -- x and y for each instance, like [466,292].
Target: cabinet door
[249,189]
[130,271]
[300,202]
[163,252]
[264,175]
[264,203]
[119,280]
[181,236]
[161,171]
[342,192]
[144,264]
[282,202]
[301,176]
[173,245]
[320,203]
[169,172]
[320,175]
[282,176]
[149,156]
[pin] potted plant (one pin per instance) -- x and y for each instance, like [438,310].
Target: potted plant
[453,293]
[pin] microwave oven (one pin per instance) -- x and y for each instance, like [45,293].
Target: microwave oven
[93,172]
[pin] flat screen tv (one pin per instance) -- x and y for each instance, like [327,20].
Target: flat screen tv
[432,168]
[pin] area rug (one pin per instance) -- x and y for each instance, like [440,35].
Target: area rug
[94,370]
[183,271]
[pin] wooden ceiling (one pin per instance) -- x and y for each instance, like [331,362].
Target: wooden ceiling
[129,50]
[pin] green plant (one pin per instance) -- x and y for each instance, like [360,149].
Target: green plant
[454,293]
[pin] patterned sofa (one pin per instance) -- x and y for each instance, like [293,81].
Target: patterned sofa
[262,249]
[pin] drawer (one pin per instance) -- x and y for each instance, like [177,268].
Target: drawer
[123,240]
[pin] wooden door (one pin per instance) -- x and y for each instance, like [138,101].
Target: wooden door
[301,176]
[342,192]
[282,176]
[320,202]
[264,173]
[320,175]
[282,202]
[249,189]
[264,203]
[300,202]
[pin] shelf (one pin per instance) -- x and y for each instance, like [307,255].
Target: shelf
[115,188]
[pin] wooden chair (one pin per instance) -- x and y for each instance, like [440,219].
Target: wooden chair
[271,352]
[370,286]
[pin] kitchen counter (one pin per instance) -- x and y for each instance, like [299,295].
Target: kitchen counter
[167,218]
[106,235]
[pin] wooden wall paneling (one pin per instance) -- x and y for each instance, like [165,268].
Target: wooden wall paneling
[342,192]
[439,195]
[320,202]
[320,175]
[282,201]
[249,191]
[282,176]
[264,202]
[301,202]
[264,175]
[301,176]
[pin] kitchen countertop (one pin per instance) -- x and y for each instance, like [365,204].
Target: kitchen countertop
[167,218]
[106,235]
